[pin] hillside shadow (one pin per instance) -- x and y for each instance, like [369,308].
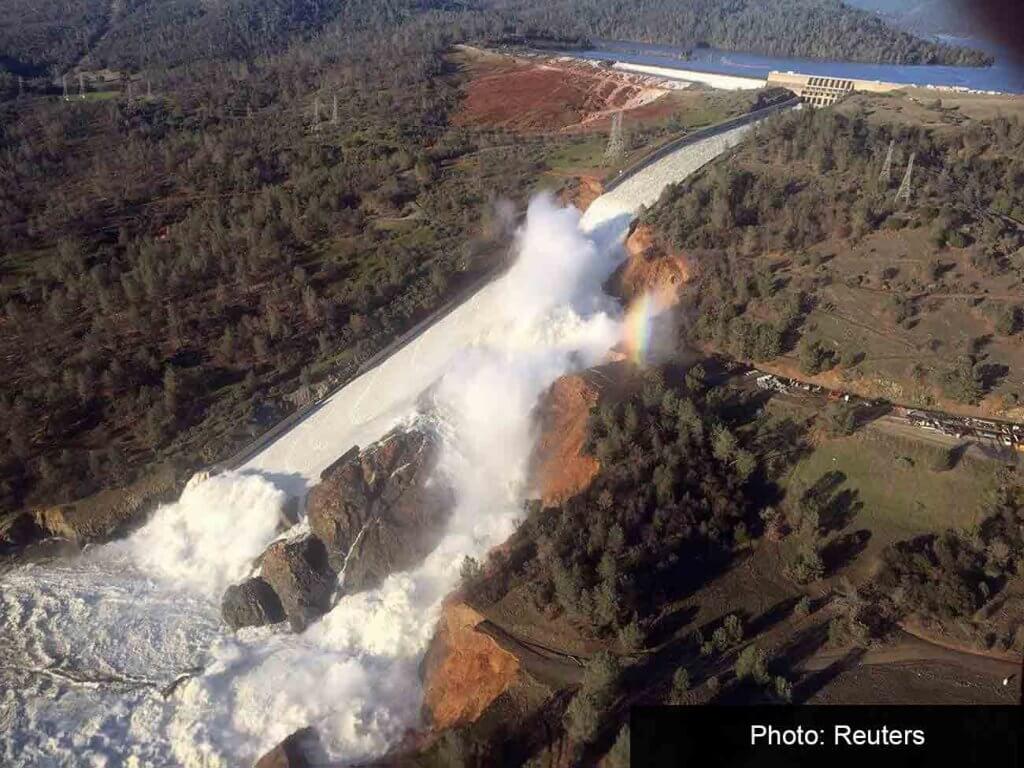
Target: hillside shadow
[771,617]
[669,625]
[292,483]
[843,550]
[810,685]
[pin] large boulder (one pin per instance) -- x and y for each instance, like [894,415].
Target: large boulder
[338,507]
[252,603]
[298,571]
[384,506]
[295,751]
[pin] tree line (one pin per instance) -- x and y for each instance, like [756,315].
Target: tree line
[143,34]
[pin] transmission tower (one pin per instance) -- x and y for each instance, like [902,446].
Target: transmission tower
[886,175]
[616,147]
[904,191]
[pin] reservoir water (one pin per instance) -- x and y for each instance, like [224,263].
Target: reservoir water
[1006,75]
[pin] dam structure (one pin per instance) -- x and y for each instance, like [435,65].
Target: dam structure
[818,91]
[123,652]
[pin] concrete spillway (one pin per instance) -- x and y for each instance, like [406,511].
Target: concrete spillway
[87,647]
[362,411]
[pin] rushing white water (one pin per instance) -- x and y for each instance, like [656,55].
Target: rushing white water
[87,646]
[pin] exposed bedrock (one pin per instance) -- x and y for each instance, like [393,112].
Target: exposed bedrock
[300,750]
[381,511]
[464,669]
[375,512]
[650,268]
[298,572]
[252,603]
[112,512]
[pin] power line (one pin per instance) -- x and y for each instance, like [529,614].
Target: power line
[616,147]
[904,191]
[886,175]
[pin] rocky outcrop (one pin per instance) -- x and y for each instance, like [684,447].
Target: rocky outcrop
[386,498]
[294,752]
[339,506]
[110,513]
[649,269]
[464,670]
[252,603]
[298,572]
[375,512]
[581,192]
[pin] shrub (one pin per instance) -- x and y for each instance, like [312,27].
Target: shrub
[806,565]
[680,685]
[841,419]
[783,689]
[803,607]
[962,381]
[815,357]
[751,665]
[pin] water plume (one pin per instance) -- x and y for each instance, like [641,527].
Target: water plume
[353,674]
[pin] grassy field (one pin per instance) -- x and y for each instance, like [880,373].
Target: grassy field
[891,487]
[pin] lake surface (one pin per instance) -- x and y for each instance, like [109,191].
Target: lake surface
[1005,75]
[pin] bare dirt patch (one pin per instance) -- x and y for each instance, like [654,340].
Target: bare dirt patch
[561,468]
[532,96]
[465,670]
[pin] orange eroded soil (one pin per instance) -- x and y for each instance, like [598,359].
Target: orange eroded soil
[545,97]
[562,468]
[650,269]
[465,670]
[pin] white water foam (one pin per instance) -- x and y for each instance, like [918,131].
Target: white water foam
[353,674]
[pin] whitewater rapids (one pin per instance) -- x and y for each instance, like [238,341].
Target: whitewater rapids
[89,648]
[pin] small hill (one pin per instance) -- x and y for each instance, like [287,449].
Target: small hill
[805,259]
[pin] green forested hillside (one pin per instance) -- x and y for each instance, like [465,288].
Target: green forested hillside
[37,33]
[134,34]
[187,246]
[799,236]
[812,28]
[180,263]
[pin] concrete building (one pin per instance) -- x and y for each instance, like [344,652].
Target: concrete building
[821,91]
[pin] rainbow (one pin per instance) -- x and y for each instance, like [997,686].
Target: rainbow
[638,328]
